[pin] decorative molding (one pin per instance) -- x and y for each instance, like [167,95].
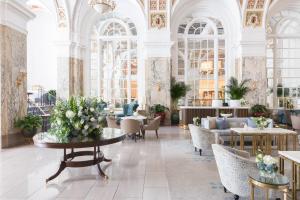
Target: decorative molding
[158,20]
[15,15]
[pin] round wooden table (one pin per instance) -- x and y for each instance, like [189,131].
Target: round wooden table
[109,136]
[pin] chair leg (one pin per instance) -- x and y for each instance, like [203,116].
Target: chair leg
[236,197]
[225,190]
[195,148]
[156,134]
[200,152]
[135,137]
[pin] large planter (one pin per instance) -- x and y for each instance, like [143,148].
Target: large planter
[162,115]
[29,133]
[235,103]
[175,117]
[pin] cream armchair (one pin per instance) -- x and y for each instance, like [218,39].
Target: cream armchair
[131,127]
[202,138]
[152,126]
[234,168]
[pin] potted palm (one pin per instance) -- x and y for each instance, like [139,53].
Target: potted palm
[178,90]
[159,110]
[29,125]
[237,91]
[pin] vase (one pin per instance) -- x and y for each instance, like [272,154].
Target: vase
[266,174]
[235,103]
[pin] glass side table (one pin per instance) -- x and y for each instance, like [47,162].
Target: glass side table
[279,182]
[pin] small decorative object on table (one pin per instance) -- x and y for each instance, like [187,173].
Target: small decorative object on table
[266,164]
[77,117]
[261,122]
[196,121]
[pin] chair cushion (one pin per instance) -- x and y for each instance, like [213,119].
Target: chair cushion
[235,124]
[212,122]
[222,123]
[251,123]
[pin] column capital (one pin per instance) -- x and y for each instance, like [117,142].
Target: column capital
[15,15]
[253,43]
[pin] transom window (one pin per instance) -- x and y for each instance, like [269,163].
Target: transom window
[283,60]
[114,62]
[201,60]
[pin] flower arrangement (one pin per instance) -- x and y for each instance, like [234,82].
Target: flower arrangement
[196,121]
[76,117]
[266,164]
[261,122]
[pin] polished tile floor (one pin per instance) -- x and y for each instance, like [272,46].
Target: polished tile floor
[155,169]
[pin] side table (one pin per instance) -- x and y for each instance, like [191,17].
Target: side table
[279,182]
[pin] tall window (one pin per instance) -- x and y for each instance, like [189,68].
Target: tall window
[201,60]
[283,60]
[114,62]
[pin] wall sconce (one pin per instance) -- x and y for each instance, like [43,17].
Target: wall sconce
[21,77]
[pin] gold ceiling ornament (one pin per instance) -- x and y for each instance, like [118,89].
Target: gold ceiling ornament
[102,6]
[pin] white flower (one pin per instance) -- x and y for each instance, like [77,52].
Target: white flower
[80,107]
[70,114]
[58,121]
[92,109]
[98,126]
[77,126]
[100,119]
[82,121]
[86,127]
[92,119]
[79,113]
[269,160]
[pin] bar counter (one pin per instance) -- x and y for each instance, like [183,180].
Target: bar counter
[187,113]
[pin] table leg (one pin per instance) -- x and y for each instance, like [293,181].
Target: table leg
[294,184]
[231,140]
[294,142]
[61,168]
[251,191]
[242,142]
[286,142]
[285,194]
[267,194]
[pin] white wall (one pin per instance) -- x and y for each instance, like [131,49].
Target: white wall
[42,58]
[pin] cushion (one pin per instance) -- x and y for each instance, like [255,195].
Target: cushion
[212,122]
[251,123]
[235,124]
[222,123]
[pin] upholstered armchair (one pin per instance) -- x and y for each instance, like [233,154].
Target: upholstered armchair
[234,168]
[131,127]
[152,126]
[112,122]
[202,138]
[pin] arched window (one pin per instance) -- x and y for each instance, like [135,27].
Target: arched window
[114,61]
[201,60]
[283,59]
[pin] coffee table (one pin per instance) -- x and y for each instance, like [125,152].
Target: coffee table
[264,137]
[109,136]
[279,182]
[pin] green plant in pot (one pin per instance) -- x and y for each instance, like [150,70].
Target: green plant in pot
[178,90]
[259,111]
[237,91]
[29,125]
[159,110]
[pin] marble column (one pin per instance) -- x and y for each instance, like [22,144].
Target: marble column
[158,79]
[70,77]
[13,78]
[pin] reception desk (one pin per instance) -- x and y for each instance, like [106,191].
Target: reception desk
[187,113]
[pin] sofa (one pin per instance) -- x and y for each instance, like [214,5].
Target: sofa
[225,134]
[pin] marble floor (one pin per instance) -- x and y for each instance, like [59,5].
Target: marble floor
[155,169]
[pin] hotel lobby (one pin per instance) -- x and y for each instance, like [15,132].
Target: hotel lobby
[149,99]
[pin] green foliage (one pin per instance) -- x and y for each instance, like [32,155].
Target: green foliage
[29,122]
[158,108]
[52,93]
[237,90]
[178,90]
[77,116]
[259,110]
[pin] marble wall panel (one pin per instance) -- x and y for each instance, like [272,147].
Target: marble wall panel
[254,68]
[13,52]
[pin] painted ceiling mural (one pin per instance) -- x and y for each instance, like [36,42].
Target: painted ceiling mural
[253,16]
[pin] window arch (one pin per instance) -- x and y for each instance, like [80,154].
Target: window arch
[283,59]
[201,60]
[114,61]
